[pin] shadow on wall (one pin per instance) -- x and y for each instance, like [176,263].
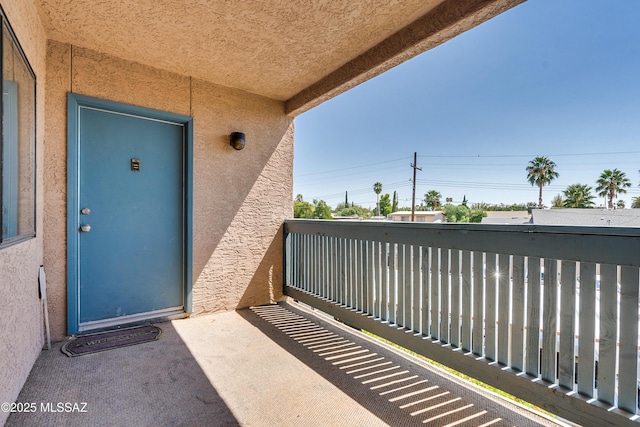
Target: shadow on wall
[266,283]
[241,199]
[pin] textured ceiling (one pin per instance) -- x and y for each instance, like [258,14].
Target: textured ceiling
[275,48]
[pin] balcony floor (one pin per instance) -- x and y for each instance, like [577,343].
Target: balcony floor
[269,366]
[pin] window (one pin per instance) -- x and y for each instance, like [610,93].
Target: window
[17,157]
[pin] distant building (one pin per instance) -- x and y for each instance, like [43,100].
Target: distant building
[506,217]
[420,216]
[590,217]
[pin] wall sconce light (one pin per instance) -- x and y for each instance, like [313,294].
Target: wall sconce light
[238,140]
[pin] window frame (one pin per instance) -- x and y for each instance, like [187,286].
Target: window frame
[19,52]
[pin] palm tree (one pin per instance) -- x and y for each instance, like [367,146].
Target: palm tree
[377,188]
[635,202]
[611,183]
[432,199]
[578,196]
[541,171]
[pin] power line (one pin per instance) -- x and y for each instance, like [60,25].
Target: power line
[373,174]
[486,185]
[352,167]
[534,155]
[454,165]
[518,165]
[360,191]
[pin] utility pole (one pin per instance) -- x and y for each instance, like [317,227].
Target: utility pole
[413,199]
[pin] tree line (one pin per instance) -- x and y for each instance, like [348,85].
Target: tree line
[318,209]
[541,171]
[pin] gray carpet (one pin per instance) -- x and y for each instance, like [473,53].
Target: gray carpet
[270,366]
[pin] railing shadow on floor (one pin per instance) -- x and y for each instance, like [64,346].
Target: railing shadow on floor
[394,388]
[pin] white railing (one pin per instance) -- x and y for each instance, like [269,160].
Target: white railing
[473,297]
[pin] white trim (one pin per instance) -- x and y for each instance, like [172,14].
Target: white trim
[136,116]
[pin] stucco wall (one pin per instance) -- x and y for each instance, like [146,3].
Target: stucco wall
[240,197]
[21,324]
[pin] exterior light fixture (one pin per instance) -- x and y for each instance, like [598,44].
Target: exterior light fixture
[237,140]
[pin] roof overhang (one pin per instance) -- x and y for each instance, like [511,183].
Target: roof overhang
[296,51]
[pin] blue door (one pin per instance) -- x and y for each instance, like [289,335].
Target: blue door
[131,217]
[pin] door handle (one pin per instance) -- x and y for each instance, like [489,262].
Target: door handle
[85,228]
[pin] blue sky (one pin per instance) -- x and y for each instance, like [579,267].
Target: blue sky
[557,78]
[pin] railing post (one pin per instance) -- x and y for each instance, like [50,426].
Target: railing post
[393,289]
[314,256]
[478,306]
[566,369]
[370,279]
[377,278]
[400,315]
[491,307]
[628,386]
[505,305]
[384,274]
[587,313]
[362,282]
[455,298]
[549,320]
[340,270]
[435,292]
[286,258]
[425,302]
[518,310]
[466,301]
[532,366]
[608,333]
[445,296]
[415,283]
[302,265]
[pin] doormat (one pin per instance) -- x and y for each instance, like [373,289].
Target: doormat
[101,341]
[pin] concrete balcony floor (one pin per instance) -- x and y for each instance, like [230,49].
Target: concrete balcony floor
[280,365]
